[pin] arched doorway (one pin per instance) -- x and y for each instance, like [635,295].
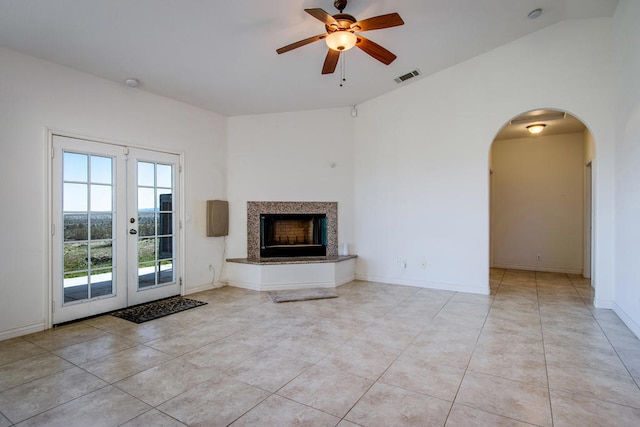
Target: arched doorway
[541,194]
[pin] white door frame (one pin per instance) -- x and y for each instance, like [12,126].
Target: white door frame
[588,222]
[48,226]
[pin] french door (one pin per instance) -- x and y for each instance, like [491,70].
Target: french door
[114,227]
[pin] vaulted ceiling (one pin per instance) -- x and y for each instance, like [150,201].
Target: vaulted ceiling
[221,55]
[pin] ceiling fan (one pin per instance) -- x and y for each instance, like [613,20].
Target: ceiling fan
[341,35]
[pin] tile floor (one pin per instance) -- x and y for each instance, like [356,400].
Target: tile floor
[535,352]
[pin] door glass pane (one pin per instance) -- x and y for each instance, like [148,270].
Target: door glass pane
[165,203]
[146,223]
[155,224]
[165,225]
[76,227]
[75,257]
[165,247]
[88,248]
[75,167]
[75,288]
[146,199]
[146,174]
[146,250]
[101,226]
[101,254]
[164,178]
[101,283]
[146,274]
[75,197]
[101,198]
[101,170]
[166,272]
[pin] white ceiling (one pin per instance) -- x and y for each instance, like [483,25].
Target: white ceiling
[220,55]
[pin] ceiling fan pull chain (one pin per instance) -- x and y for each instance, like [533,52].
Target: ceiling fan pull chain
[343,72]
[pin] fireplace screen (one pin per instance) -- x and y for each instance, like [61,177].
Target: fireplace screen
[291,235]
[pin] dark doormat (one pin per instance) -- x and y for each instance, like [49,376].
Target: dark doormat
[153,310]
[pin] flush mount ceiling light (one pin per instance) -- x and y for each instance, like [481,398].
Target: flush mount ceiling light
[341,40]
[537,128]
[535,13]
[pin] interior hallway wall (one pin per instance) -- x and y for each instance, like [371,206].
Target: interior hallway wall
[537,203]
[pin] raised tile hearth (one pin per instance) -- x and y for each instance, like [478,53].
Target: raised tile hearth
[277,274]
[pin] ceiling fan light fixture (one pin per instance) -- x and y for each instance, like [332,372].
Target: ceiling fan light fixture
[535,129]
[341,40]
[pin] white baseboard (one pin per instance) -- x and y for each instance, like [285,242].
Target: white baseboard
[346,280]
[426,284]
[22,330]
[538,268]
[631,324]
[600,303]
[203,288]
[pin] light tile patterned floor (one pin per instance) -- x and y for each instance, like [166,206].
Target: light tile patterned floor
[535,352]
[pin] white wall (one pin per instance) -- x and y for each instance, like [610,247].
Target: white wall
[301,156]
[36,96]
[537,203]
[627,291]
[422,153]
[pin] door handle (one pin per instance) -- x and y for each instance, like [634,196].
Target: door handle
[132,231]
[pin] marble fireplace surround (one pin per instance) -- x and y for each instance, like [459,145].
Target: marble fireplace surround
[255,209]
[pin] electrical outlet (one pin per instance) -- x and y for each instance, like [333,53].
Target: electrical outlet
[423,265]
[538,257]
[210,267]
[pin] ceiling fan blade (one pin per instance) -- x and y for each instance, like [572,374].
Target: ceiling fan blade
[375,50]
[331,61]
[323,16]
[378,22]
[300,43]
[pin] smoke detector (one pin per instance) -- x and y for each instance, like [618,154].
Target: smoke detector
[535,13]
[132,82]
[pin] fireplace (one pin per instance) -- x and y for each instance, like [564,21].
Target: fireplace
[291,235]
[295,227]
[292,229]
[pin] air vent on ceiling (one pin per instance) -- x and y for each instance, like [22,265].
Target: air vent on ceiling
[407,76]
